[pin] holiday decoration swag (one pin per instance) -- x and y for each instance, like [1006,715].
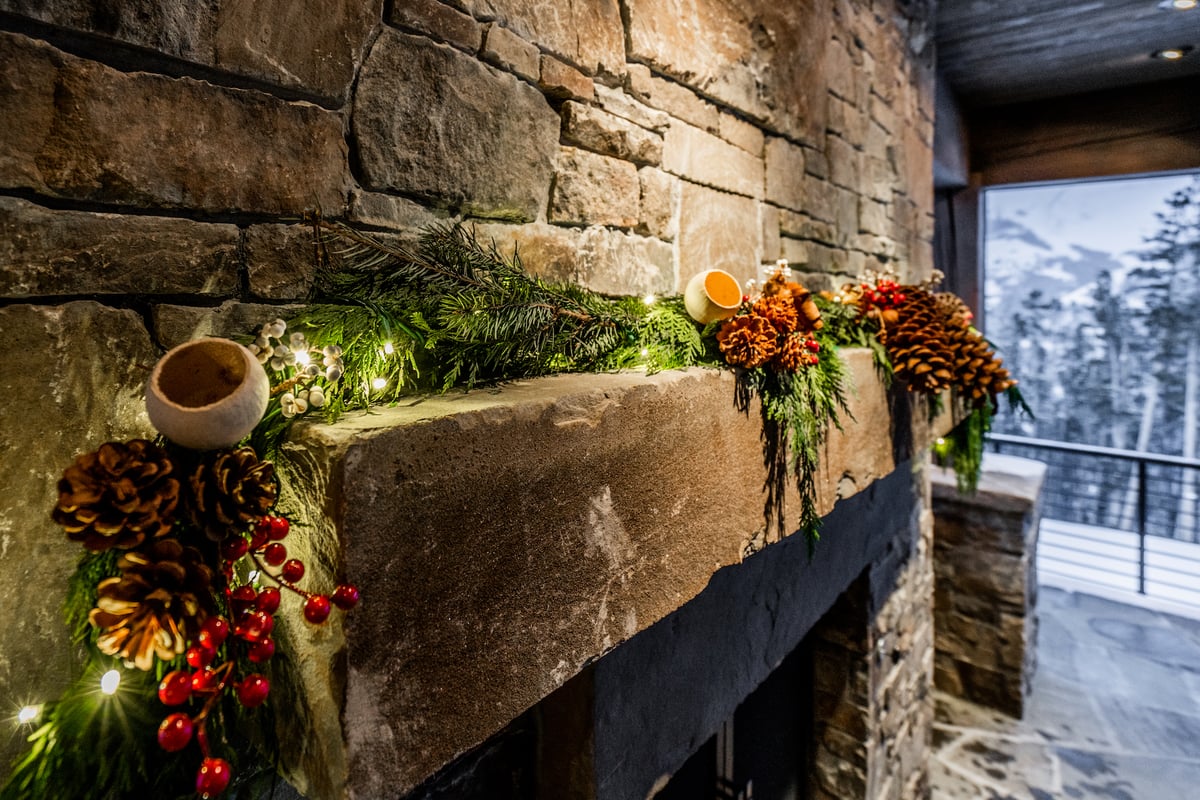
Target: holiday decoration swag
[185,556]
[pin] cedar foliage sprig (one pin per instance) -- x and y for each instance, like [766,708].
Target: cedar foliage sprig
[797,412]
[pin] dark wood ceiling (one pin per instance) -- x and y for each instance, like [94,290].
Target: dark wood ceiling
[995,52]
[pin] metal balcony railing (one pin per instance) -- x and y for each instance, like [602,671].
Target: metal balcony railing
[1114,509]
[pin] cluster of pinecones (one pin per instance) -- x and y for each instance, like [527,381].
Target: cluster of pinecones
[774,330]
[127,496]
[933,347]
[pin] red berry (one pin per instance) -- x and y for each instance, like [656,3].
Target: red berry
[200,656]
[316,609]
[279,528]
[293,570]
[242,598]
[268,600]
[254,626]
[175,688]
[212,777]
[203,680]
[901,297]
[262,650]
[812,344]
[813,360]
[214,631]
[175,732]
[253,690]
[345,596]
[234,547]
[275,554]
[262,533]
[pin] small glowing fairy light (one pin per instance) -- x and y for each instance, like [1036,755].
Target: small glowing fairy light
[379,383]
[28,714]
[940,441]
[645,351]
[649,299]
[388,349]
[110,681]
[302,358]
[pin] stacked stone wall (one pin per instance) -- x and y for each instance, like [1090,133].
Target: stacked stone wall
[156,158]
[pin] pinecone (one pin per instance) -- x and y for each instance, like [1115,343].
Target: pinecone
[978,373]
[808,315]
[792,356]
[160,599]
[117,496]
[748,341]
[917,343]
[231,490]
[779,311]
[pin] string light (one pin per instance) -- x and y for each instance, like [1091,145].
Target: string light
[940,441]
[28,714]
[110,681]
[649,299]
[379,383]
[388,349]
[302,358]
[645,351]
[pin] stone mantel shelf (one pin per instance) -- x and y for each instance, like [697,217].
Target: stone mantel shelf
[503,539]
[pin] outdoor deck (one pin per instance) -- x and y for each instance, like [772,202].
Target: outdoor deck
[1114,713]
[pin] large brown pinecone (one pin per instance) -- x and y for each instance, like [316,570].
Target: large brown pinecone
[918,345]
[808,315]
[781,312]
[792,355]
[159,600]
[748,341]
[117,496]
[231,490]
[979,374]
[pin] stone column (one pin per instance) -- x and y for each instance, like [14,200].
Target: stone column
[986,582]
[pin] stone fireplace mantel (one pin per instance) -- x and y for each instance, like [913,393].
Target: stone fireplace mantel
[505,539]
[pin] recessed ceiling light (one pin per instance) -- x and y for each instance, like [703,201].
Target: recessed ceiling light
[1172,53]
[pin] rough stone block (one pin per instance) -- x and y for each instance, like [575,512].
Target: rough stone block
[592,129]
[575,524]
[802,226]
[280,261]
[616,101]
[764,58]
[425,121]
[438,20]
[676,100]
[559,29]
[83,131]
[660,201]
[717,230]
[548,251]
[176,324]
[508,51]
[785,173]
[700,157]
[49,252]
[563,81]
[847,121]
[772,247]
[277,40]
[72,378]
[592,189]
[845,163]
[267,40]
[618,263]
[388,211]
[746,136]
[873,217]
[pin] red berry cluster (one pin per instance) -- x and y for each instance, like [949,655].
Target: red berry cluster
[253,619]
[813,347]
[885,294]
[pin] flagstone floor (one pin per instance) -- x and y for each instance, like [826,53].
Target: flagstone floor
[1114,713]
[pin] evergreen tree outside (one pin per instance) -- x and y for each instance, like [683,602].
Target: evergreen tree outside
[1093,297]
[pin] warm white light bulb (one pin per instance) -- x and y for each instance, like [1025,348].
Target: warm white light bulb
[1183,5]
[302,358]
[388,349]
[110,681]
[28,714]
[378,383]
[645,351]
[649,299]
[1171,55]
